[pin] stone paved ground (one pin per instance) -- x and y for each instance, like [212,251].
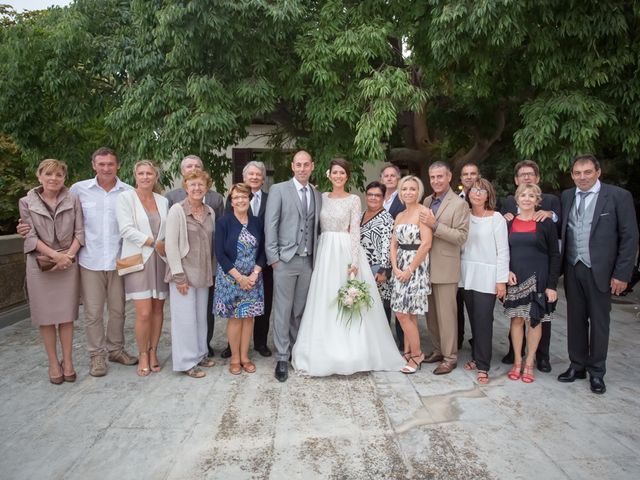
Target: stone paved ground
[380,425]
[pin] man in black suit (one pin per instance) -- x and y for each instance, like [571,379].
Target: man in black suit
[254,174]
[527,171]
[469,173]
[600,241]
[390,176]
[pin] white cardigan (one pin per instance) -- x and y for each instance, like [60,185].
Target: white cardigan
[134,226]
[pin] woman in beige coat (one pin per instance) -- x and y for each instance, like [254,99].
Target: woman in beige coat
[57,232]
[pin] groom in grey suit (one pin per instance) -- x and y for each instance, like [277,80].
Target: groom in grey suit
[291,229]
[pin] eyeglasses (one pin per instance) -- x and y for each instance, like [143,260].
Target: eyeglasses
[240,197]
[477,191]
[374,195]
[526,174]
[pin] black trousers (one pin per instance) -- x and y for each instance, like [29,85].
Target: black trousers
[588,318]
[543,346]
[261,323]
[399,332]
[460,302]
[211,319]
[480,310]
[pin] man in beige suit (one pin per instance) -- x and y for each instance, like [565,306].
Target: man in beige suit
[448,217]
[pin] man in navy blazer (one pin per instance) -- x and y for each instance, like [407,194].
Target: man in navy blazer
[527,171]
[389,177]
[599,245]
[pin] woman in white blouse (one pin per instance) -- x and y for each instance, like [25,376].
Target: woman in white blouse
[485,271]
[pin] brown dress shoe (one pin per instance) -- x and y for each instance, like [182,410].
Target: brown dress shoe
[444,368]
[433,357]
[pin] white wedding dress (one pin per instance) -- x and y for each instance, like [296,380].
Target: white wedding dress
[325,344]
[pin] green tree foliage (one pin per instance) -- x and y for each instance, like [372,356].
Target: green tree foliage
[413,81]
[530,79]
[15,180]
[55,89]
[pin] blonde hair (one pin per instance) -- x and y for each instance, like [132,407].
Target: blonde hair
[411,178]
[197,175]
[148,163]
[529,186]
[49,165]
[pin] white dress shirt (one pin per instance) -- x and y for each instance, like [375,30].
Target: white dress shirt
[589,198]
[299,187]
[102,236]
[387,203]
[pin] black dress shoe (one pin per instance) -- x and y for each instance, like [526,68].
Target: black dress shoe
[263,350]
[597,385]
[282,371]
[226,353]
[211,352]
[508,359]
[543,365]
[571,375]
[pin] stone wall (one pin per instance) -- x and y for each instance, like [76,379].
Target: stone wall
[12,271]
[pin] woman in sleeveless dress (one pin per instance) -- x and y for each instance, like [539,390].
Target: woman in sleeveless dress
[410,285]
[326,344]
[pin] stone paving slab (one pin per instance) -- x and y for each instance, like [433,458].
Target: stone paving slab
[370,425]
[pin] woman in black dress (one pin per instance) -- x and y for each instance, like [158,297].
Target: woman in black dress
[534,268]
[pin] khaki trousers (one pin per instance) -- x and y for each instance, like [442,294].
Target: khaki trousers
[99,287]
[442,320]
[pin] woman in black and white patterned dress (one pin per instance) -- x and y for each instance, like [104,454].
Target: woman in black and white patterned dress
[376,226]
[410,245]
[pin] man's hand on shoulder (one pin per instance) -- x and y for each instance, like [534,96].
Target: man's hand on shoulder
[542,215]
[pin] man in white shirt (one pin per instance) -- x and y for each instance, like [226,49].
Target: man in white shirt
[99,279]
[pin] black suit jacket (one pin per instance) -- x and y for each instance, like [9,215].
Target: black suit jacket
[613,241]
[396,207]
[549,202]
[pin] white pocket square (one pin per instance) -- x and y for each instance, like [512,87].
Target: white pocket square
[604,214]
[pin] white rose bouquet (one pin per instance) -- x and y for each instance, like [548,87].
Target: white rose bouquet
[353,297]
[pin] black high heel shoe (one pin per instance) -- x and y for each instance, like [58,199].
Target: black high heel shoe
[409,369]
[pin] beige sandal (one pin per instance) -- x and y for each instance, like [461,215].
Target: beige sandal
[195,372]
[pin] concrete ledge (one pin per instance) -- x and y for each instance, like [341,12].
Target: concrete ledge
[10,244]
[14,314]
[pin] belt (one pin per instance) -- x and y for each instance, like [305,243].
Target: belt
[408,246]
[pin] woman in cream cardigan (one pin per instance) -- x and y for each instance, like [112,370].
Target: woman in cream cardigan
[190,274]
[142,215]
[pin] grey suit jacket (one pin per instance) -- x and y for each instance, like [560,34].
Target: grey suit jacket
[283,221]
[613,241]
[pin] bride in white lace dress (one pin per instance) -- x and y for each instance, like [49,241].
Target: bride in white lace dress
[325,344]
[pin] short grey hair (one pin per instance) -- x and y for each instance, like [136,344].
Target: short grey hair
[190,157]
[439,164]
[259,165]
[394,167]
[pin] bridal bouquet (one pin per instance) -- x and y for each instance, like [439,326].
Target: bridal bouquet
[352,298]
